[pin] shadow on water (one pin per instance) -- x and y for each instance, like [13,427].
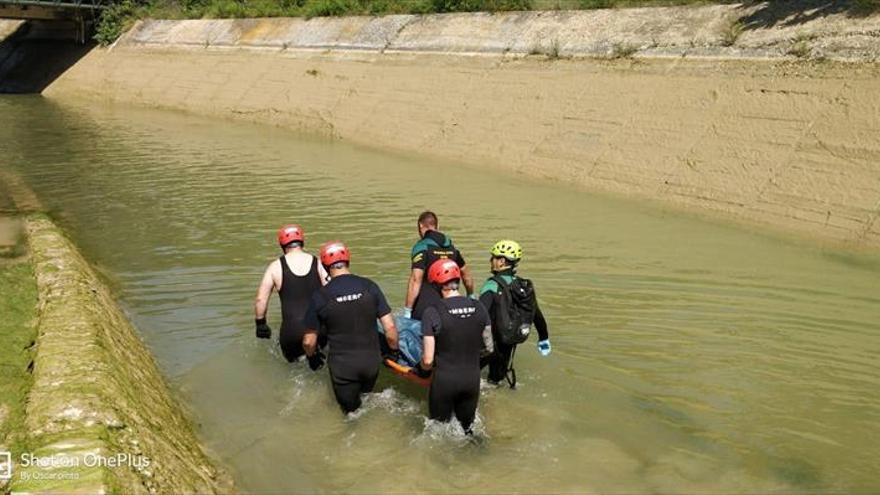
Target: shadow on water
[797,472]
[853,261]
[794,13]
[37,54]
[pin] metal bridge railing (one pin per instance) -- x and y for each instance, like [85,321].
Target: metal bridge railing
[61,4]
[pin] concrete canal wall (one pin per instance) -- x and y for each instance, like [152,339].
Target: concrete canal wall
[763,115]
[97,395]
[97,392]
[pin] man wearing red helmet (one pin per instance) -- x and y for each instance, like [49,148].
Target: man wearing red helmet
[295,276]
[432,246]
[456,332]
[345,310]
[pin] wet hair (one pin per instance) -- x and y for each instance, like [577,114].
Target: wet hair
[428,219]
[338,265]
[293,244]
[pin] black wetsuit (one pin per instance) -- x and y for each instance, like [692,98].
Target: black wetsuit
[499,361]
[295,294]
[346,310]
[457,325]
[430,248]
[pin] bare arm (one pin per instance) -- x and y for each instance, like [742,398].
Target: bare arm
[390,331]
[468,279]
[427,352]
[310,342]
[261,302]
[415,285]
[325,278]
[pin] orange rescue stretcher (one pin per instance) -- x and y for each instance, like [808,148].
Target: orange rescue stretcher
[406,373]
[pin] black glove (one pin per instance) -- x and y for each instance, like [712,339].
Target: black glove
[316,360]
[263,330]
[392,354]
[421,372]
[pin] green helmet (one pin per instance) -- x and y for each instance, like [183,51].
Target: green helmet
[507,249]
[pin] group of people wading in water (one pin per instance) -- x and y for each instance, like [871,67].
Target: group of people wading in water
[325,307]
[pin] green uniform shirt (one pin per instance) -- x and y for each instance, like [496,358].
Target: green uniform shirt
[432,247]
[491,285]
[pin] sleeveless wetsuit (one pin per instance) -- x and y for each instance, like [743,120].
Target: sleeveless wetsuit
[457,325]
[432,247]
[295,294]
[346,310]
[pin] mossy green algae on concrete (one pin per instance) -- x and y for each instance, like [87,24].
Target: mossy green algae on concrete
[97,393]
[18,301]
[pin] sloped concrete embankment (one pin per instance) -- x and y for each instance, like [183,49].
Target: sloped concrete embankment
[99,415]
[711,108]
[756,31]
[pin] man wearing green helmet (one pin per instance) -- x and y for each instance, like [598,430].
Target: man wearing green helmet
[513,306]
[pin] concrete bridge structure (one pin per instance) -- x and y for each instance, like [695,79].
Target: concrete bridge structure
[56,19]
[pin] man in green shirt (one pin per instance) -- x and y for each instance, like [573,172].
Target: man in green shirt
[432,246]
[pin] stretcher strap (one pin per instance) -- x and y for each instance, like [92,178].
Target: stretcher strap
[510,374]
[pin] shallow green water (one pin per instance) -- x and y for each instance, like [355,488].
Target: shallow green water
[689,356]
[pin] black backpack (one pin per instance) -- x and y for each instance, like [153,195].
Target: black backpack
[514,310]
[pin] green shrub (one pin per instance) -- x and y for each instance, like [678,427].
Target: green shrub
[383,7]
[731,33]
[321,8]
[622,50]
[479,5]
[596,4]
[867,5]
[221,9]
[194,5]
[114,21]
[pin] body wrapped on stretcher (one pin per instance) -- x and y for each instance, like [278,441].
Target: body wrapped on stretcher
[409,335]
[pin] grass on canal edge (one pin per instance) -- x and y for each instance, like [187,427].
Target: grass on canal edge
[18,305]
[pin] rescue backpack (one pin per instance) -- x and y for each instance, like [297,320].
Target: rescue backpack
[514,310]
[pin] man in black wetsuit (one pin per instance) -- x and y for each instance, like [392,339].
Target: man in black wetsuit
[432,246]
[345,310]
[456,331]
[296,276]
[506,254]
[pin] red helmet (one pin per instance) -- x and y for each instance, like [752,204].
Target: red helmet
[334,251]
[290,233]
[442,271]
